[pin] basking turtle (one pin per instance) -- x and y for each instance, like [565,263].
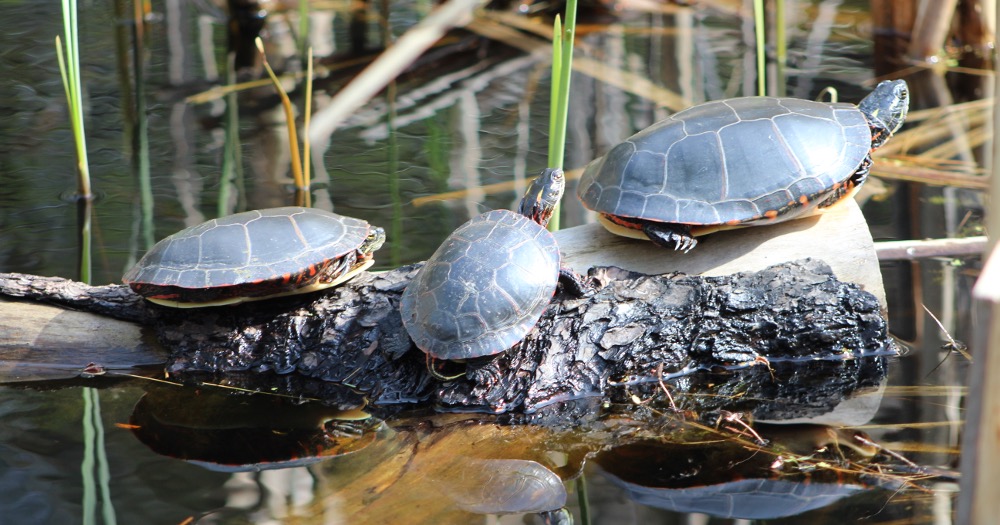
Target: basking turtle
[488,283]
[255,255]
[739,162]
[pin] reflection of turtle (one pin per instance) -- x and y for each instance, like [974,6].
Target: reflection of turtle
[255,255]
[504,486]
[488,283]
[723,478]
[739,162]
[239,433]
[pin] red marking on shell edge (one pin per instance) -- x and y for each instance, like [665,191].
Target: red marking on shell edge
[286,278]
[770,214]
[622,221]
[804,200]
[734,222]
[165,296]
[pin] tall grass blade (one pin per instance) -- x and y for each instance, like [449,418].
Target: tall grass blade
[307,118]
[554,96]
[84,215]
[392,166]
[140,150]
[69,67]
[562,72]
[781,49]
[232,165]
[758,22]
[304,31]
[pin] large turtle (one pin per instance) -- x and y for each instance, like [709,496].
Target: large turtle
[488,283]
[739,162]
[255,255]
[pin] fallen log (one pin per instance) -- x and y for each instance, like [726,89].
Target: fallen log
[737,335]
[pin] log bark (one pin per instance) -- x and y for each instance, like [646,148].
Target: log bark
[749,332]
[839,237]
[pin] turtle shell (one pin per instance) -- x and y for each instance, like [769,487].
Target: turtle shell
[736,161]
[484,288]
[248,255]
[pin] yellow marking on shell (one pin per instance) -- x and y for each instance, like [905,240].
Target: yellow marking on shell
[696,230]
[618,229]
[315,287]
[701,230]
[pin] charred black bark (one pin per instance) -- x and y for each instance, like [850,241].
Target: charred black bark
[114,300]
[747,336]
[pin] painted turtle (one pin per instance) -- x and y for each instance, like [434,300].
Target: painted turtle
[739,162]
[488,283]
[255,255]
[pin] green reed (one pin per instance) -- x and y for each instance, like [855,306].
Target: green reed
[562,71]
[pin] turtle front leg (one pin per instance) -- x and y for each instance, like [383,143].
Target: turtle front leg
[846,189]
[670,235]
[339,268]
[576,284]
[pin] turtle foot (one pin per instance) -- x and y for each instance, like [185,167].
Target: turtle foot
[575,284]
[672,236]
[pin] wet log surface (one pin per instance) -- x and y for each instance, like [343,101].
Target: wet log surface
[747,335]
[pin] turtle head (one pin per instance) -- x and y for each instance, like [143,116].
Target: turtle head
[374,241]
[885,108]
[542,196]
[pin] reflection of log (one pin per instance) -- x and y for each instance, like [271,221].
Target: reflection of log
[634,329]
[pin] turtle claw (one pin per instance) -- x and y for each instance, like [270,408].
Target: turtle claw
[684,244]
[675,236]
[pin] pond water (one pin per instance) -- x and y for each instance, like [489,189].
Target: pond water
[471,121]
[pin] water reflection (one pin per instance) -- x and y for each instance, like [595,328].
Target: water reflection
[234,433]
[723,480]
[420,468]
[503,486]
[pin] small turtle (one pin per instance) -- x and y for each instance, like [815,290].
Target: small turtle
[255,255]
[488,283]
[739,162]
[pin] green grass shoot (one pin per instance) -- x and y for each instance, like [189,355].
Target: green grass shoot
[562,71]
[69,68]
[758,23]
